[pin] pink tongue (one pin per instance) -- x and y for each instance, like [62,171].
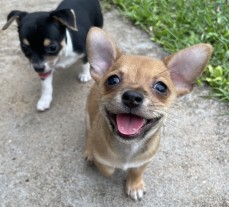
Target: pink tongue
[129,124]
[44,75]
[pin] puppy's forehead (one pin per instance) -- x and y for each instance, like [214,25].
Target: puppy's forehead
[38,26]
[141,67]
[33,21]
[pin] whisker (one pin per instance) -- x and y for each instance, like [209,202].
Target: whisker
[168,122]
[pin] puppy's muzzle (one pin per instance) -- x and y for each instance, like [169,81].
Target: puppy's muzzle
[41,70]
[130,123]
[39,67]
[132,99]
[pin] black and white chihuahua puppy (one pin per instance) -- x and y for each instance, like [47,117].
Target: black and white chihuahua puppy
[56,39]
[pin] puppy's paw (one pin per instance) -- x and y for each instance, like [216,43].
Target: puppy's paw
[88,156]
[44,103]
[135,190]
[84,77]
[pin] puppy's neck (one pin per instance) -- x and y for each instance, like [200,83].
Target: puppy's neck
[68,49]
[68,56]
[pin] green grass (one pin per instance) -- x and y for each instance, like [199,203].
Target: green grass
[176,24]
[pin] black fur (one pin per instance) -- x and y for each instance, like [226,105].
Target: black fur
[37,26]
[84,21]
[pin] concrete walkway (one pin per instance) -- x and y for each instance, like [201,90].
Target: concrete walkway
[41,162]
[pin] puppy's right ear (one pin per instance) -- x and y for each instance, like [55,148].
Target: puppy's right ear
[102,52]
[13,15]
[66,17]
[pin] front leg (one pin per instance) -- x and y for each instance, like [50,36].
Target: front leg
[135,185]
[85,75]
[105,170]
[46,93]
[88,148]
[88,156]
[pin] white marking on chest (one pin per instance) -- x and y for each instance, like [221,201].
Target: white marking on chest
[67,56]
[125,160]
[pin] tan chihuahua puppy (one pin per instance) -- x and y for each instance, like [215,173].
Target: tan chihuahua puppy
[129,102]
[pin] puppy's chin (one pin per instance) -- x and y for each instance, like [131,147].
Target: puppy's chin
[128,127]
[44,75]
[49,66]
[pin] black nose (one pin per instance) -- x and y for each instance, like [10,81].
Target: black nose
[39,67]
[132,99]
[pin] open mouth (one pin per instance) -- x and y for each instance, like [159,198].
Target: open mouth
[44,75]
[129,126]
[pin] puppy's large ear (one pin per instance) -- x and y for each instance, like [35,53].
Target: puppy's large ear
[102,52]
[66,17]
[14,15]
[187,65]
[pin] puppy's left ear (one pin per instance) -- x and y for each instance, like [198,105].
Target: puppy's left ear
[187,65]
[102,52]
[66,17]
[14,15]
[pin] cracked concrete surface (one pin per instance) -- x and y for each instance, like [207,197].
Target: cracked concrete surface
[41,162]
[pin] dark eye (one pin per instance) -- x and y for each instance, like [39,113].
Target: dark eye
[26,49]
[52,48]
[113,80]
[160,88]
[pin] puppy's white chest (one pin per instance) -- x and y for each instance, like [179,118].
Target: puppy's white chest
[67,56]
[128,155]
[65,61]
